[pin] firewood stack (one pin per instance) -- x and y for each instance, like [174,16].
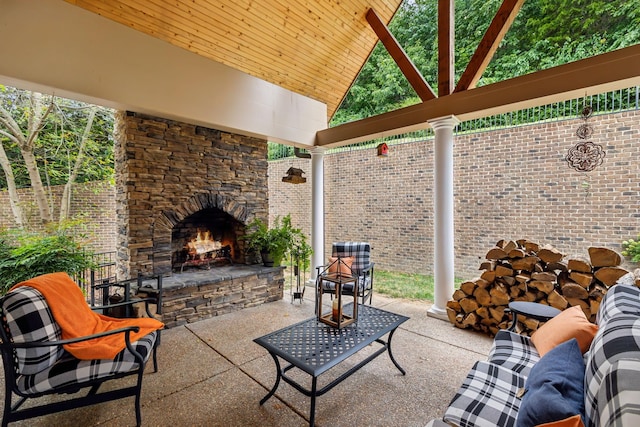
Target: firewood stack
[525,271]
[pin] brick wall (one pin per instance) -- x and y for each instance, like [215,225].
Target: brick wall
[509,184]
[94,201]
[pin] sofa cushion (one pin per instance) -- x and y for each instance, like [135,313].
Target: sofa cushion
[513,351]
[622,298]
[607,400]
[487,397]
[571,323]
[29,320]
[554,389]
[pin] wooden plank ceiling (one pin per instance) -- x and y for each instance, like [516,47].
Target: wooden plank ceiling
[315,48]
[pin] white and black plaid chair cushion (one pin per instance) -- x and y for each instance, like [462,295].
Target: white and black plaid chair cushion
[27,315]
[27,318]
[617,341]
[488,397]
[361,253]
[513,351]
[622,298]
[69,371]
[621,391]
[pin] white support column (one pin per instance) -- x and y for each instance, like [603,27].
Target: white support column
[317,209]
[443,265]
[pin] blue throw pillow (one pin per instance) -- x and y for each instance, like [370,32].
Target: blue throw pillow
[555,387]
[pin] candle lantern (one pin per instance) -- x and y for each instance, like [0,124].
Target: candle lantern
[338,273]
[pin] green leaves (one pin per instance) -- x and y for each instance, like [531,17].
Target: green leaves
[632,249]
[545,33]
[25,255]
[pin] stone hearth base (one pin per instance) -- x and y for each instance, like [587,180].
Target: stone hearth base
[199,294]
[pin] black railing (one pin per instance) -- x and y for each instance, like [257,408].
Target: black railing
[604,103]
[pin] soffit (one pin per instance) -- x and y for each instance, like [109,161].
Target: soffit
[313,48]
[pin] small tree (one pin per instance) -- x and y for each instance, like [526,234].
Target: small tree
[52,141]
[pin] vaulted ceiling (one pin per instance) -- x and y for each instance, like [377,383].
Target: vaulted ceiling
[313,48]
[275,69]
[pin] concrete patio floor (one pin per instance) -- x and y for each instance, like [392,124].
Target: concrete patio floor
[213,374]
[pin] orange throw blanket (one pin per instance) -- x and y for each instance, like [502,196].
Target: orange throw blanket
[76,319]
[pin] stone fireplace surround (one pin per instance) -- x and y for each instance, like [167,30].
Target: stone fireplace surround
[168,172]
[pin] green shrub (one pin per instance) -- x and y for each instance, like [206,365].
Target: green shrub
[632,249]
[24,255]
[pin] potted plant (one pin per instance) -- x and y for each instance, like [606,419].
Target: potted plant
[273,243]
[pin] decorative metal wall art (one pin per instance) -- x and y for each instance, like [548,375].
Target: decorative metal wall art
[585,156]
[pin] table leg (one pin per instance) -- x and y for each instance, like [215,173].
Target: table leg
[391,354]
[278,376]
[312,415]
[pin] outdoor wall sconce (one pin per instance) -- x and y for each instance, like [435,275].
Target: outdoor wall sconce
[383,150]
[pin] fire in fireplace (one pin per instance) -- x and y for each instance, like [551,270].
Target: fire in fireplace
[205,239]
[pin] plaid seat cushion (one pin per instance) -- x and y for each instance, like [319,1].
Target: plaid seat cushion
[487,397]
[622,394]
[513,351]
[622,298]
[27,318]
[68,370]
[360,251]
[605,394]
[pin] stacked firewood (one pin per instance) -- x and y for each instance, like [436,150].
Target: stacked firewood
[525,271]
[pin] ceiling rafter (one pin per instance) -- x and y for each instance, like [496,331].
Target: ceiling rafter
[397,53]
[446,47]
[489,44]
[614,70]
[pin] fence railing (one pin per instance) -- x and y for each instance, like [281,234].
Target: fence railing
[604,103]
[104,272]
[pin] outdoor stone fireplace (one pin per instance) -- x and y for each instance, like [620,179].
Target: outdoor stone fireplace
[185,195]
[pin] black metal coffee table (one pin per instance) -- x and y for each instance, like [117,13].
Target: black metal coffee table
[315,347]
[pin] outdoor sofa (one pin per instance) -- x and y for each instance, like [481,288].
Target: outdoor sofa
[591,377]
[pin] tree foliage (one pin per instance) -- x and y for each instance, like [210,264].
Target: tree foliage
[24,255]
[57,147]
[546,33]
[47,141]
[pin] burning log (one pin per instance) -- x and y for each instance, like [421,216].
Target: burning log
[526,271]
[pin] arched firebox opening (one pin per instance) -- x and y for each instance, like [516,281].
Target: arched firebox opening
[206,238]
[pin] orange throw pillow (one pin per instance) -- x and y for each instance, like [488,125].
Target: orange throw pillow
[342,267]
[571,323]
[575,421]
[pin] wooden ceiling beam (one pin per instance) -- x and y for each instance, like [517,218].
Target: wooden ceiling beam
[609,71]
[408,68]
[489,44]
[446,47]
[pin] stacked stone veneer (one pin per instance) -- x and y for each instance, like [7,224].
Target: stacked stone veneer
[167,171]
